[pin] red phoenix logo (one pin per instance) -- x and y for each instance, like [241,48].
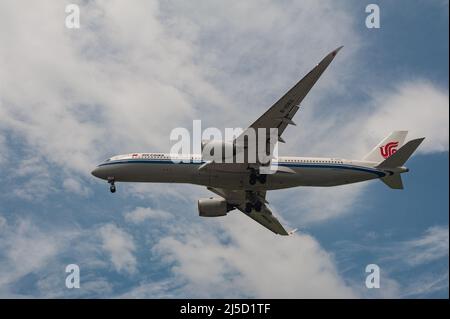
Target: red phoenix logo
[388,149]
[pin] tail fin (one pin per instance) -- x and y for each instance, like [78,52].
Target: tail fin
[401,156]
[386,147]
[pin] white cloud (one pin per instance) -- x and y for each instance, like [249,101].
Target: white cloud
[147,79]
[248,261]
[308,205]
[140,214]
[120,246]
[32,179]
[433,245]
[418,106]
[136,76]
[37,255]
[24,249]
[74,186]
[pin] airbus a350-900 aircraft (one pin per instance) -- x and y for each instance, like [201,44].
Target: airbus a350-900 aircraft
[243,186]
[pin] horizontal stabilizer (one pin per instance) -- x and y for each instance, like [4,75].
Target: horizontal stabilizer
[393,181]
[401,156]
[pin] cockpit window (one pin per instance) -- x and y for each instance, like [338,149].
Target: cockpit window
[108,160]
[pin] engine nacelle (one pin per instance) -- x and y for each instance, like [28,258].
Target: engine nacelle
[217,151]
[213,207]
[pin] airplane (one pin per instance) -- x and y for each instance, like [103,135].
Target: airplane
[242,186]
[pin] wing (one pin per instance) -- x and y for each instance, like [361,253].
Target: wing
[266,218]
[281,113]
[239,199]
[278,116]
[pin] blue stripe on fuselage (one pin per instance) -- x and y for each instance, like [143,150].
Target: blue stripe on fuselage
[285,164]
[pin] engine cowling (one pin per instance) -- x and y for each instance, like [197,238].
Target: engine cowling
[217,151]
[212,207]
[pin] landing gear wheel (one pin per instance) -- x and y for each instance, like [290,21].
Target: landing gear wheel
[262,179]
[112,188]
[258,206]
[257,177]
[248,208]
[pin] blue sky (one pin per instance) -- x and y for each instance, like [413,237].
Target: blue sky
[71,98]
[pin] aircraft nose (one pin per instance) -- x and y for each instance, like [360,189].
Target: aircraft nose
[95,172]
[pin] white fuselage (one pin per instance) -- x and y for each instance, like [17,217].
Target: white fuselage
[303,171]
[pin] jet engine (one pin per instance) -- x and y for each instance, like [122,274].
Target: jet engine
[213,207]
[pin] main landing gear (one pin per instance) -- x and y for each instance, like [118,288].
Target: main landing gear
[112,188]
[255,176]
[249,207]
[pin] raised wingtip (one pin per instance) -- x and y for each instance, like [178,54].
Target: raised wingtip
[336,51]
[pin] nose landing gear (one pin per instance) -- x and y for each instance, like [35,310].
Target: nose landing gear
[112,187]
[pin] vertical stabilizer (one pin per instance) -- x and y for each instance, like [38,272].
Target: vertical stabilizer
[386,147]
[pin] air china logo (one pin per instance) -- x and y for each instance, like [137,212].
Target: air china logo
[388,149]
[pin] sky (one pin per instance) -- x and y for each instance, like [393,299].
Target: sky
[134,70]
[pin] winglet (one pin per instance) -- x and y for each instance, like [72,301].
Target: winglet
[320,68]
[292,231]
[336,51]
